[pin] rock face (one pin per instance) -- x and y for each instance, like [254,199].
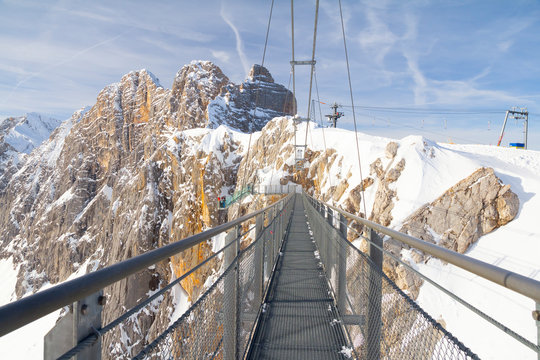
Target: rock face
[236,103]
[194,87]
[473,207]
[142,168]
[125,177]
[384,198]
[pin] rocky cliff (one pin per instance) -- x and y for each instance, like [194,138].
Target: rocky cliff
[138,170]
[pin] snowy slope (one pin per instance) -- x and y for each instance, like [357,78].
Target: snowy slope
[27,132]
[18,137]
[514,246]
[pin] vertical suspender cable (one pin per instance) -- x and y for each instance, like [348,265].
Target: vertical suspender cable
[320,116]
[292,60]
[320,111]
[312,65]
[352,103]
[258,86]
[293,77]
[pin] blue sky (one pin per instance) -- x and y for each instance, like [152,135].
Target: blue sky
[469,60]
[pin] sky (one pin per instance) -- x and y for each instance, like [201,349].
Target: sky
[447,70]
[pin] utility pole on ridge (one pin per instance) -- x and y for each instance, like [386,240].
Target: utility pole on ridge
[335,115]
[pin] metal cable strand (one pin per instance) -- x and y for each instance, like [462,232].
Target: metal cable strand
[312,66]
[259,84]
[292,42]
[352,103]
[320,114]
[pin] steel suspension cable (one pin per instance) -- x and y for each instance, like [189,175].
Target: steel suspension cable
[258,85]
[284,105]
[292,42]
[352,103]
[312,66]
[320,116]
[293,80]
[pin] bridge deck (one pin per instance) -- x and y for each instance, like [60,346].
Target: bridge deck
[300,321]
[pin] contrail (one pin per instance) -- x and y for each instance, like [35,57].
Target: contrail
[239,44]
[58,64]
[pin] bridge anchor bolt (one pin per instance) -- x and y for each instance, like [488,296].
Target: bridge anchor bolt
[102,300]
[536,315]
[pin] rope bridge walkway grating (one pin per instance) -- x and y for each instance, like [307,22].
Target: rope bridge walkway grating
[300,320]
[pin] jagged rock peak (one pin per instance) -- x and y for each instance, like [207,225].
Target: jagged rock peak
[205,72]
[141,75]
[201,96]
[261,73]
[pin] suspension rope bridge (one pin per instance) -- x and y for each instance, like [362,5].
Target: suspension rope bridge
[287,283]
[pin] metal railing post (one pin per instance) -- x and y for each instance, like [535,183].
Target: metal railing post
[269,249]
[230,297]
[259,259]
[536,316]
[342,266]
[84,316]
[328,239]
[280,211]
[274,228]
[374,296]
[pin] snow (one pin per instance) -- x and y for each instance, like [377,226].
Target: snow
[179,299]
[9,280]
[107,191]
[30,131]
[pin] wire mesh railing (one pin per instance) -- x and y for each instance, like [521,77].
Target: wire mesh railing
[277,189]
[381,320]
[203,330]
[220,324]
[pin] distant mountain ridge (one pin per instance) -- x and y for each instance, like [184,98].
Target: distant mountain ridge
[18,137]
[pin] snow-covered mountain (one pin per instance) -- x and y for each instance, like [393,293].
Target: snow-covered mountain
[18,137]
[141,168]
[144,166]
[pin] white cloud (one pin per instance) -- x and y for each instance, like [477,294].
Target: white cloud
[504,45]
[239,43]
[377,38]
[222,56]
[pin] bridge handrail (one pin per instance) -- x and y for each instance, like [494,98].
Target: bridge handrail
[22,312]
[511,280]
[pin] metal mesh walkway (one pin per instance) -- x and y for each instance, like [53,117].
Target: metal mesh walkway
[300,320]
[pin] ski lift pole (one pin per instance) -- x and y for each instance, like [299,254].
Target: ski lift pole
[502,130]
[526,132]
